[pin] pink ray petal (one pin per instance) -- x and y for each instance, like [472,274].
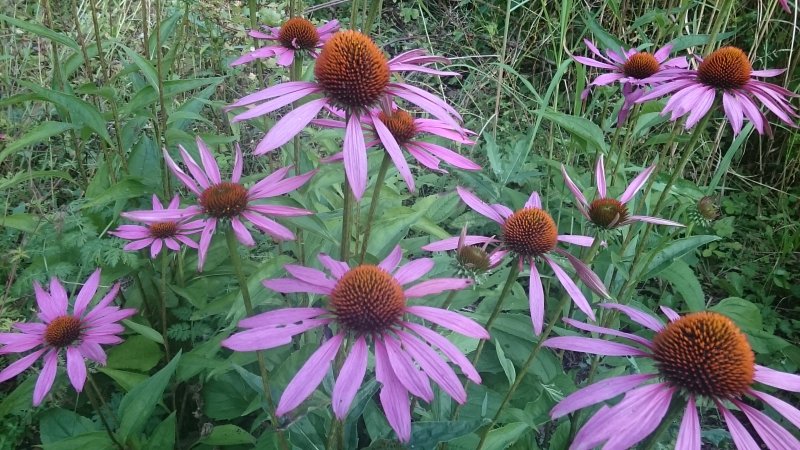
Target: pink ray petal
[395,153]
[689,434]
[205,242]
[653,220]
[155,248]
[450,320]
[741,437]
[572,289]
[350,378]
[573,187]
[636,184]
[478,205]
[290,125]
[414,270]
[337,268]
[598,392]
[309,376]
[291,285]
[278,210]
[536,300]
[609,331]
[449,156]
[355,156]
[281,187]
[437,286]
[640,317]
[283,316]
[275,104]
[48,310]
[433,366]
[639,415]
[394,397]
[663,53]
[452,243]
[600,177]
[411,377]
[446,347]
[589,278]
[778,379]
[733,111]
[208,161]
[185,179]
[310,275]
[534,201]
[392,259]
[272,92]
[670,313]
[269,226]
[76,368]
[236,175]
[87,293]
[788,411]
[593,346]
[198,174]
[264,338]
[583,241]
[242,235]
[19,365]
[46,377]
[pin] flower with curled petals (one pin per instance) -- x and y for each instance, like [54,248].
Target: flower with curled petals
[698,356]
[295,35]
[164,227]
[610,213]
[230,201]
[353,75]
[630,68]
[79,334]
[367,304]
[726,71]
[531,234]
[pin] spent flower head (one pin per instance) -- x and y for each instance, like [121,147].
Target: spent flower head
[295,35]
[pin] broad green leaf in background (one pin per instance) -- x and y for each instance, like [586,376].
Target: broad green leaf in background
[81,112]
[745,313]
[502,437]
[37,134]
[685,282]
[425,435]
[579,127]
[675,250]
[124,189]
[22,177]
[163,436]
[228,434]
[42,31]
[138,405]
[97,440]
[22,222]
[136,353]
[57,424]
[508,366]
[145,331]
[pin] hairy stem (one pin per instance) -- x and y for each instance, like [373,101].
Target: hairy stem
[163,307]
[99,410]
[373,205]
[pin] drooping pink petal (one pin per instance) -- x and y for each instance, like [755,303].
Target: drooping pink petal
[594,430]
[337,268]
[433,366]
[238,163]
[290,125]
[155,248]
[598,392]
[350,378]
[573,187]
[138,245]
[264,189]
[394,397]
[478,205]
[241,232]
[277,90]
[269,226]
[263,338]
[76,368]
[589,278]
[46,377]
[411,377]
[450,320]
[741,437]
[670,313]
[733,111]
[414,270]
[689,433]
[185,179]
[702,105]
[310,275]
[309,376]
[198,174]
[653,220]
[437,286]
[775,436]
[20,365]
[93,351]
[575,239]
[449,156]
[394,151]
[205,242]
[392,259]
[452,243]
[788,411]
[446,347]
[592,346]
[279,210]
[275,104]
[536,300]
[609,331]
[283,316]
[645,412]
[86,293]
[355,156]
[19,342]
[593,63]
[640,317]
[291,285]
[572,289]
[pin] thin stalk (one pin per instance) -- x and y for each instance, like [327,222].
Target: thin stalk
[252,5]
[354,14]
[98,409]
[347,222]
[373,205]
[529,362]
[295,73]
[375,7]
[163,307]
[162,114]
[236,262]
[501,69]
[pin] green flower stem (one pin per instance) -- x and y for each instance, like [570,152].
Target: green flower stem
[353,14]
[162,114]
[373,205]
[347,222]
[626,142]
[294,75]
[375,7]
[162,290]
[90,394]
[236,262]
[674,411]
[529,362]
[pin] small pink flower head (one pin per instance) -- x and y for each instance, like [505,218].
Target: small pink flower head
[630,68]
[785,6]
[699,355]
[79,334]
[230,201]
[295,35]
[353,75]
[164,227]
[532,234]
[726,71]
[397,130]
[368,304]
[611,213]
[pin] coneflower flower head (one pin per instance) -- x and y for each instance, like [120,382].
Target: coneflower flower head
[725,71]
[164,227]
[610,213]
[79,334]
[353,74]
[295,35]
[368,304]
[702,355]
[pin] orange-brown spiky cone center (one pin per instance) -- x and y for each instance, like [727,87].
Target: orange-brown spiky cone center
[352,70]
[401,124]
[530,232]
[473,259]
[726,68]
[607,212]
[368,299]
[640,66]
[705,353]
[224,200]
[298,33]
[163,230]
[62,331]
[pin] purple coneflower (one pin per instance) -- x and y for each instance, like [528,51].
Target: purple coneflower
[230,200]
[531,233]
[610,213]
[79,334]
[397,130]
[630,68]
[726,71]
[295,35]
[368,304]
[785,6]
[163,227]
[353,75]
[701,355]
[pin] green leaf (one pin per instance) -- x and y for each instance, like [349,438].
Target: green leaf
[493,153]
[18,400]
[508,366]
[40,133]
[163,436]
[145,331]
[137,353]
[148,95]
[579,127]
[57,424]
[743,312]
[685,282]
[22,177]
[675,250]
[138,405]
[226,397]
[42,31]
[425,435]
[500,438]
[228,435]
[22,222]
[145,66]
[97,440]
[123,190]
[126,380]
[80,112]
